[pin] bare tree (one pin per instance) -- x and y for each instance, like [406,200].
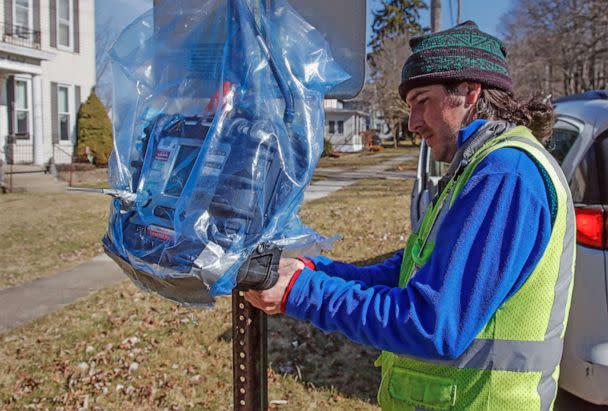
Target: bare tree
[385,78]
[558,47]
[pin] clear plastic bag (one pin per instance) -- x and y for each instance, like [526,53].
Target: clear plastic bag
[218,126]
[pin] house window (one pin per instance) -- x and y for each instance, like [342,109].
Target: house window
[332,127]
[22,16]
[340,127]
[63,108]
[64,23]
[22,109]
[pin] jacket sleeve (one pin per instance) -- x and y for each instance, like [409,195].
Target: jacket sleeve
[385,273]
[497,232]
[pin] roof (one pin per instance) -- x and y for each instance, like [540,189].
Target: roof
[588,95]
[346,111]
[591,107]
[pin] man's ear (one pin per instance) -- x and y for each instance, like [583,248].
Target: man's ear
[473,90]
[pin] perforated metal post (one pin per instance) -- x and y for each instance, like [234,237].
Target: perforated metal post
[250,355]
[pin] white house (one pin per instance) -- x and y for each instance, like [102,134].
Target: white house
[344,126]
[47,68]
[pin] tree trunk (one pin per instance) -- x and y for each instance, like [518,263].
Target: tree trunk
[396,134]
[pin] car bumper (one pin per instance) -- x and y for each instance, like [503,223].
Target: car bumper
[588,378]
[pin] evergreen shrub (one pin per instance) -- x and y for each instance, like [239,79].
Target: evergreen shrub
[94,131]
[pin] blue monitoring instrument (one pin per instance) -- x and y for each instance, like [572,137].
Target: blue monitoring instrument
[239,199]
[202,199]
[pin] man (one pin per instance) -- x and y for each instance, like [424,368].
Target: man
[471,315]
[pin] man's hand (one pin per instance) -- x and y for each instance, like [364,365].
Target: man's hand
[270,300]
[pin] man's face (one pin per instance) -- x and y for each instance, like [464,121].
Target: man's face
[437,116]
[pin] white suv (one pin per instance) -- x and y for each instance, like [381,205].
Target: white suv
[580,144]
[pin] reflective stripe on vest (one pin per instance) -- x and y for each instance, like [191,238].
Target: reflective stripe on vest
[531,352]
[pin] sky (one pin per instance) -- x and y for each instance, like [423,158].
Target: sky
[486,13]
[119,12]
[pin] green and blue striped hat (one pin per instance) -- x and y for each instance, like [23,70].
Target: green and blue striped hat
[462,53]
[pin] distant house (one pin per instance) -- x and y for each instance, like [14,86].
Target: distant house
[47,69]
[344,125]
[378,123]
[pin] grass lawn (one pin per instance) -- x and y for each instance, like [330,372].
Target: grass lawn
[124,350]
[351,161]
[44,233]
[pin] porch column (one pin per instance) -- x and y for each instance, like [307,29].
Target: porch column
[38,139]
[3,120]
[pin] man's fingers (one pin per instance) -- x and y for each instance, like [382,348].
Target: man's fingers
[253,298]
[256,298]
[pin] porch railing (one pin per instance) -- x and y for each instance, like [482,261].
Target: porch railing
[19,149]
[20,36]
[61,154]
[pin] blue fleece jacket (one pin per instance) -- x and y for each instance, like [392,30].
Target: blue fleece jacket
[490,242]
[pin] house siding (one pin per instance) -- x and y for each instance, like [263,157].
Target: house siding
[67,68]
[350,139]
[73,68]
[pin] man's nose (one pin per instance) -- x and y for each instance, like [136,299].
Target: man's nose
[414,121]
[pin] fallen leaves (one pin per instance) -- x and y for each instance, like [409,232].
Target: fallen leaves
[123,349]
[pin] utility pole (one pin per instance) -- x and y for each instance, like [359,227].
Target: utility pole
[434,166]
[459,15]
[435,15]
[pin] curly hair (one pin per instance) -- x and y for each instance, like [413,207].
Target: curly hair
[496,104]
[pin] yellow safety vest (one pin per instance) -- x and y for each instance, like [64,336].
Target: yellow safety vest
[513,364]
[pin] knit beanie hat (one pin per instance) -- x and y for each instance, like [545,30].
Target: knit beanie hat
[462,53]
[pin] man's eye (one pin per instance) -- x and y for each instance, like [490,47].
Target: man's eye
[422,100]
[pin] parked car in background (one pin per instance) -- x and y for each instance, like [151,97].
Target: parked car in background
[580,145]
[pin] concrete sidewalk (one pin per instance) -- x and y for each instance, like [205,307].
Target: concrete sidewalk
[338,178]
[24,303]
[20,178]
[27,302]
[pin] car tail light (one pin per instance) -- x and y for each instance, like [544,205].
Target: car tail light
[591,226]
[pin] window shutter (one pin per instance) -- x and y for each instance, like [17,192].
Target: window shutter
[8,17]
[54,114]
[10,89]
[77,100]
[37,33]
[53,22]
[76,26]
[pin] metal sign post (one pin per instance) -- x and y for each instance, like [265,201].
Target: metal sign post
[250,355]
[346,37]
[250,331]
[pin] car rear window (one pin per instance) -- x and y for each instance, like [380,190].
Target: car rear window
[589,182]
[562,140]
